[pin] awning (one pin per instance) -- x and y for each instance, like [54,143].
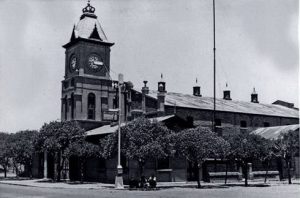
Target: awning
[107,129]
[274,132]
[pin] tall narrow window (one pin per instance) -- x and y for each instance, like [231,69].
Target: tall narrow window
[66,107]
[266,124]
[190,121]
[218,127]
[91,106]
[72,106]
[243,124]
[218,122]
[163,163]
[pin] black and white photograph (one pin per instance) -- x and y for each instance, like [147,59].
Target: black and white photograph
[149,98]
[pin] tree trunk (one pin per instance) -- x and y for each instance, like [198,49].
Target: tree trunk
[57,166]
[5,170]
[141,167]
[246,173]
[62,168]
[226,171]
[215,165]
[289,172]
[279,167]
[267,169]
[198,175]
[81,171]
[17,170]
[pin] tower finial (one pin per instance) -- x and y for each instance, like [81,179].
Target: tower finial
[196,80]
[88,9]
[254,90]
[162,77]
[226,85]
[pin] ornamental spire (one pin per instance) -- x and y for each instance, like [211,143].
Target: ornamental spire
[88,9]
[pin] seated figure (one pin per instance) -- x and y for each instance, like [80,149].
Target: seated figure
[152,181]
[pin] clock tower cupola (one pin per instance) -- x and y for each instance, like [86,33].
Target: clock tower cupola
[87,87]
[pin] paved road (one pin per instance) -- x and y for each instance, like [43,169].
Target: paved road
[286,191]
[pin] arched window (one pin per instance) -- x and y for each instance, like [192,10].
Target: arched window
[72,106]
[91,106]
[66,108]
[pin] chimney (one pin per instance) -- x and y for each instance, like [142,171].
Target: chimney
[145,91]
[197,89]
[161,95]
[226,93]
[254,96]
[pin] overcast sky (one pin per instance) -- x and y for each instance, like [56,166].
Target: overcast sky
[257,46]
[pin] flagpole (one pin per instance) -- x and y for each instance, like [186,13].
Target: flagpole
[214,30]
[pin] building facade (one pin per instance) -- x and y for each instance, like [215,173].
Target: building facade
[89,96]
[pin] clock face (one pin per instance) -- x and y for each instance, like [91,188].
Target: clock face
[95,62]
[73,63]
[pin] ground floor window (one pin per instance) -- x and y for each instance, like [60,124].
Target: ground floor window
[163,163]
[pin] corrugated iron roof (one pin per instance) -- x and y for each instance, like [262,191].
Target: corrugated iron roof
[274,132]
[206,103]
[107,129]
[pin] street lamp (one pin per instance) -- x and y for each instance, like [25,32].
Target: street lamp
[119,178]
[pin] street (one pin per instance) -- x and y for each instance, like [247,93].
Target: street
[288,191]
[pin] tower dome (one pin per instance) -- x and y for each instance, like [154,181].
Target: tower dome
[88,26]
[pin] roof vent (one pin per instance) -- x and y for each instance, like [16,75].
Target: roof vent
[254,96]
[226,93]
[197,89]
[145,89]
[161,84]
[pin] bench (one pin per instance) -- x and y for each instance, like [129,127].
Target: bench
[263,174]
[219,175]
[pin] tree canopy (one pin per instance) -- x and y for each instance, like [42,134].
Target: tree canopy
[5,153]
[246,147]
[59,138]
[198,144]
[22,147]
[287,147]
[141,139]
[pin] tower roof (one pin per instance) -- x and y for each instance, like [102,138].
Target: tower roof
[87,24]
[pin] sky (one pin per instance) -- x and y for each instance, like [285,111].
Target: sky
[256,41]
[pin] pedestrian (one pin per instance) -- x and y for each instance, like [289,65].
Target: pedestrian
[152,181]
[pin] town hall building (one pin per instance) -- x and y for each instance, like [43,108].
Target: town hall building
[89,96]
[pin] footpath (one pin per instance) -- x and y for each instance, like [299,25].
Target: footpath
[42,183]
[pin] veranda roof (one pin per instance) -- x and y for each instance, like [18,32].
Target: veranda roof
[274,132]
[107,129]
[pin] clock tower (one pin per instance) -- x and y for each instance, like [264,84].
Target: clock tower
[87,87]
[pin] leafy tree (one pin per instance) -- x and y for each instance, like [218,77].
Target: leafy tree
[22,149]
[56,138]
[245,148]
[198,144]
[140,140]
[83,150]
[287,147]
[5,154]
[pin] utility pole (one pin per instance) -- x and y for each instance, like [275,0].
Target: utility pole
[119,178]
[214,30]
